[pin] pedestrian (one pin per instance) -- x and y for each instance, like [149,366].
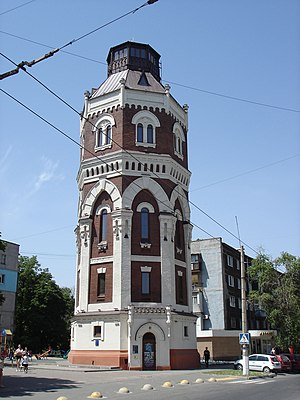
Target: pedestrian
[206,355]
[25,363]
[1,371]
[18,354]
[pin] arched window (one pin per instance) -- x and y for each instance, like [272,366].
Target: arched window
[108,134]
[103,225]
[139,133]
[146,124]
[103,132]
[100,137]
[144,225]
[149,134]
[179,140]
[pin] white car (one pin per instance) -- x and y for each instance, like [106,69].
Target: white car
[260,362]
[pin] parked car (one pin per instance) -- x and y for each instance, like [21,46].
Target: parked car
[285,362]
[295,361]
[260,362]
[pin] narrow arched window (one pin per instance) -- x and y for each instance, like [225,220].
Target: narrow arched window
[100,137]
[149,134]
[103,225]
[139,133]
[108,135]
[144,225]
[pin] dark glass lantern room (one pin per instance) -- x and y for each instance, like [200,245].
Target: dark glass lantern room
[133,56]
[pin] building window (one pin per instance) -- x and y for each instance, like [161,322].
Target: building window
[103,130]
[239,303]
[232,301]
[97,331]
[179,140]
[145,282]
[3,258]
[229,261]
[238,264]
[180,287]
[144,225]
[101,285]
[103,225]
[149,134]
[139,134]
[238,283]
[146,124]
[185,331]
[231,280]
[2,278]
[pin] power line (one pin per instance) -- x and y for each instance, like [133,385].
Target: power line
[234,98]
[246,172]
[82,147]
[43,233]
[51,47]
[218,94]
[24,64]
[21,5]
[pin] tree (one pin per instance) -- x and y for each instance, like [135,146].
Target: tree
[42,308]
[277,284]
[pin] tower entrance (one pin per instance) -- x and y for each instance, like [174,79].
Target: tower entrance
[149,351]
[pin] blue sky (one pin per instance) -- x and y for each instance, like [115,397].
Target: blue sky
[244,157]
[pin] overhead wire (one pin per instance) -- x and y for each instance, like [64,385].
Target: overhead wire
[15,8]
[24,64]
[246,172]
[82,147]
[209,92]
[135,158]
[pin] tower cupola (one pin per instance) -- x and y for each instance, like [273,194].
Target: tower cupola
[133,56]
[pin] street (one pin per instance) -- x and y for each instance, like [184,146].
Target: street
[48,382]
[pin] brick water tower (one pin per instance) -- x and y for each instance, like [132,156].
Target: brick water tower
[133,284]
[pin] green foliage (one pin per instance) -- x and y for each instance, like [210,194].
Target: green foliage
[278,293]
[43,309]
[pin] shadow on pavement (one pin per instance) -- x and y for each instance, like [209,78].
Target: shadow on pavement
[15,386]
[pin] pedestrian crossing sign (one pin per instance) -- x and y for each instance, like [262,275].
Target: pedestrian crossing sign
[244,338]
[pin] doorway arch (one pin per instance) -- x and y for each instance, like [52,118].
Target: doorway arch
[149,351]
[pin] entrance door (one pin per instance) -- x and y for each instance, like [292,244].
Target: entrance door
[149,351]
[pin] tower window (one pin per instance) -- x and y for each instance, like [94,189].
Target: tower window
[140,133]
[179,139]
[103,130]
[103,227]
[145,282]
[144,225]
[146,123]
[101,285]
[149,134]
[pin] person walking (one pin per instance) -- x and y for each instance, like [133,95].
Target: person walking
[206,356]
[18,354]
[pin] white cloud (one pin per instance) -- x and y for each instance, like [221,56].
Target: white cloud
[47,174]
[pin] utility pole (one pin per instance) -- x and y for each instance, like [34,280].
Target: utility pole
[245,347]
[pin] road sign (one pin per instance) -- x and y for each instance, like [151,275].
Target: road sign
[244,338]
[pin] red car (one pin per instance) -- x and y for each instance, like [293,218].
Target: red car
[295,361]
[285,362]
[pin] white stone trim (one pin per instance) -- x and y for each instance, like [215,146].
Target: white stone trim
[145,205]
[101,270]
[146,269]
[101,186]
[157,191]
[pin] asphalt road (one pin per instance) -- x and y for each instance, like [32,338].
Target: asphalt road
[49,382]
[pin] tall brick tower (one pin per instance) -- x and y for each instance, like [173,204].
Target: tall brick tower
[133,285]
